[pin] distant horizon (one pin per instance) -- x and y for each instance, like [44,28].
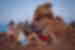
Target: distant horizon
[4,27]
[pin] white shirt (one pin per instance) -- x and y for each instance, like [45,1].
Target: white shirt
[23,39]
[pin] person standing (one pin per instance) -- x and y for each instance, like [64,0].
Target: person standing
[22,38]
[11,34]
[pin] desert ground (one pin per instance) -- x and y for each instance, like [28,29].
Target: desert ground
[5,45]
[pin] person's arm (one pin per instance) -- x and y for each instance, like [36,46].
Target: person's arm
[30,37]
[53,37]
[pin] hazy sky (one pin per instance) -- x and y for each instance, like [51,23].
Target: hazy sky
[20,10]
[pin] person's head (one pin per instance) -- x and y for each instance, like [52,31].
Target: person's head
[73,24]
[11,24]
[20,26]
[59,19]
[59,22]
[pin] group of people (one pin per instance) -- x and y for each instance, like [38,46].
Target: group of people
[45,28]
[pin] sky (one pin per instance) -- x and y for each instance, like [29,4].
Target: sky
[21,10]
